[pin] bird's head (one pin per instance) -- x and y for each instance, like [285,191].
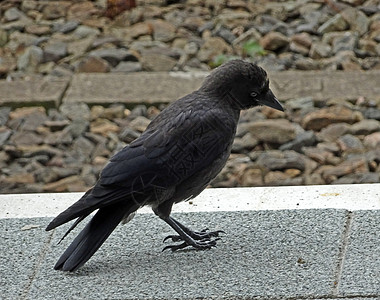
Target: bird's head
[244,83]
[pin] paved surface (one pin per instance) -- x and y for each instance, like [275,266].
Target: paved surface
[155,88]
[266,254]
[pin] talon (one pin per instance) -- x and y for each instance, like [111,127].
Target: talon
[175,238]
[175,247]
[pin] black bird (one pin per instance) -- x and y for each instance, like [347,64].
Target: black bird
[174,160]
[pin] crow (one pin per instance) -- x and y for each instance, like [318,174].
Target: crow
[174,159]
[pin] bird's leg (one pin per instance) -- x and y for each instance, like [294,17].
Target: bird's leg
[199,240]
[196,235]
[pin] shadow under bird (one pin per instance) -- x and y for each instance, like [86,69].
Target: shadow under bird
[173,160]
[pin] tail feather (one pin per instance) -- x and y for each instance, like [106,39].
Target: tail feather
[77,210]
[93,236]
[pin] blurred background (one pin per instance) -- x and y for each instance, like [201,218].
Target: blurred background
[59,146]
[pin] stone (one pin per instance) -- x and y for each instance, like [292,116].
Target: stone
[20,178]
[30,59]
[354,2]
[113,112]
[252,177]
[304,39]
[81,11]
[68,184]
[4,115]
[213,47]
[319,119]
[80,47]
[346,41]
[33,121]
[320,50]
[372,113]
[92,64]
[25,138]
[225,34]
[297,48]
[25,111]
[306,63]
[53,11]
[38,29]
[358,21]
[357,165]
[368,177]
[113,56]
[275,178]
[233,18]
[101,150]
[84,148]
[5,133]
[250,34]
[139,29]
[277,131]
[303,139]
[55,51]
[365,127]
[333,131]
[128,135]
[54,173]
[56,125]
[36,150]
[321,156]
[75,111]
[157,62]
[336,23]
[100,41]
[128,66]
[277,160]
[350,143]
[162,30]
[300,103]
[13,14]
[7,63]
[274,41]
[3,37]
[103,127]
[65,27]
[84,31]
[246,143]
[139,124]
[372,140]
[59,138]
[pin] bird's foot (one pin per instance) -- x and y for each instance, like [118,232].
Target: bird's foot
[203,235]
[200,240]
[197,244]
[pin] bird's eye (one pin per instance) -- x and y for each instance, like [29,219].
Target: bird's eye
[253,94]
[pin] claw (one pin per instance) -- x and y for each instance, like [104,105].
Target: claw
[175,238]
[175,247]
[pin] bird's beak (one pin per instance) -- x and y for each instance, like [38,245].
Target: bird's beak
[270,100]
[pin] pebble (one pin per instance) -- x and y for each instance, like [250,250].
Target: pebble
[314,143]
[213,33]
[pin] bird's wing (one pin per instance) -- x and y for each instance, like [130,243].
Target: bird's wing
[175,150]
[167,153]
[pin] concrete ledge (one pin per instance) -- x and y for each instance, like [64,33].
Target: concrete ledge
[37,91]
[350,197]
[155,88]
[309,242]
[158,87]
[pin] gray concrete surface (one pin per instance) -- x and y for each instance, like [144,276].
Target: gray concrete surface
[155,88]
[277,254]
[41,91]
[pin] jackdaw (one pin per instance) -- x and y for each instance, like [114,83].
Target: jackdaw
[174,159]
